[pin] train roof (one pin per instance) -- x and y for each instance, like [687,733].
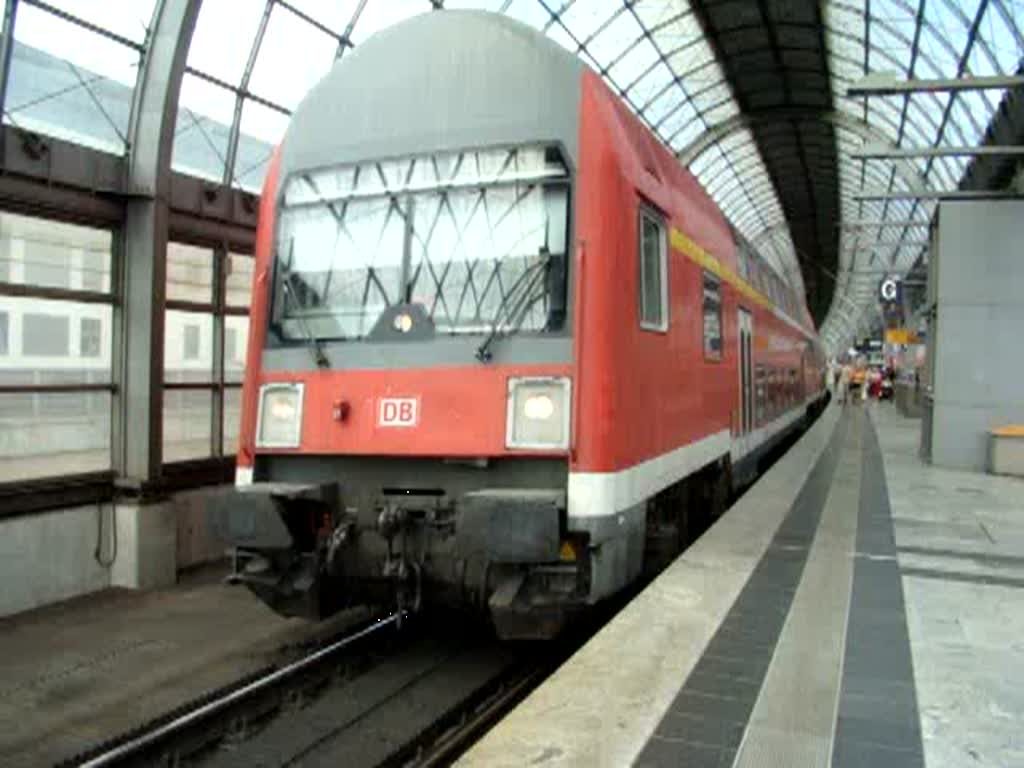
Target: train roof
[434,83]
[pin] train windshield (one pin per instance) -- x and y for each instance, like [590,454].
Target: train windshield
[467,238]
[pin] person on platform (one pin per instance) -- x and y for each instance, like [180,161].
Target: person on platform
[845,372]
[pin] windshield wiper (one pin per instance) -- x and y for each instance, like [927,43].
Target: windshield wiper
[315,347]
[516,302]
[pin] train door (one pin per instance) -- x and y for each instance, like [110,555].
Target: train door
[746,339]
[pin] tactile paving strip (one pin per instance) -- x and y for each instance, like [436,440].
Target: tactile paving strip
[706,720]
[878,723]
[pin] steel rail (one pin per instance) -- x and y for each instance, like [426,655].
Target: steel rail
[151,737]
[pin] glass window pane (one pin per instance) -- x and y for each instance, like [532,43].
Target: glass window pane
[188,347]
[712,318]
[189,273]
[334,15]
[53,254]
[232,414]
[126,18]
[279,75]
[44,335]
[218,53]
[651,311]
[187,424]
[69,82]
[205,114]
[48,341]
[377,16]
[90,341]
[48,434]
[261,129]
[236,337]
[238,281]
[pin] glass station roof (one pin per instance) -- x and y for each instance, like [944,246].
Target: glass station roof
[75,63]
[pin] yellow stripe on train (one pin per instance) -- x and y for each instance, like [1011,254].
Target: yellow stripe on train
[695,253]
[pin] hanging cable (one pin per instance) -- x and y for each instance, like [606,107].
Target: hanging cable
[98,552]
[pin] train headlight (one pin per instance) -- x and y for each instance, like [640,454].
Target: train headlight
[538,413]
[279,424]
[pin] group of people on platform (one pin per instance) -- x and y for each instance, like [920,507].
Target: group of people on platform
[858,382]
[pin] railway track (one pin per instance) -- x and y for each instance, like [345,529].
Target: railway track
[374,697]
[177,736]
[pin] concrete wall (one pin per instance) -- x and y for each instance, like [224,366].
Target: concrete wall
[978,337]
[50,557]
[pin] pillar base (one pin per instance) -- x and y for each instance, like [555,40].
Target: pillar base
[147,539]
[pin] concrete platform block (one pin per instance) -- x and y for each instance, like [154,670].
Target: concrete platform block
[1006,451]
[147,540]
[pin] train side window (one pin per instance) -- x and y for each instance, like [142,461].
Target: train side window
[653,272]
[712,317]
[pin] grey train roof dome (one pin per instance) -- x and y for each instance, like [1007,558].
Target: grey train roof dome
[393,95]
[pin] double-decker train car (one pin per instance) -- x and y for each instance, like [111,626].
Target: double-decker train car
[503,346]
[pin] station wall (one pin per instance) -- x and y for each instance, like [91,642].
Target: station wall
[975,340]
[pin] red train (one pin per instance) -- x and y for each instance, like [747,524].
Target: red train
[502,342]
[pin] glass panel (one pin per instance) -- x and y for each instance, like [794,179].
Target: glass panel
[261,130]
[48,341]
[236,338]
[52,254]
[217,53]
[188,347]
[280,75]
[45,335]
[203,128]
[232,413]
[650,272]
[126,18]
[189,273]
[69,82]
[377,16]
[238,281]
[334,15]
[44,435]
[187,424]
[712,318]
[477,225]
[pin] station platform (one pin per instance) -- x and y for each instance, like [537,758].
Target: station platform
[75,673]
[855,608]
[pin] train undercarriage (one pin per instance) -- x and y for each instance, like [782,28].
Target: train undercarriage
[311,547]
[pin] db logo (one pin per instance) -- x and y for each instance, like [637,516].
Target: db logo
[398,411]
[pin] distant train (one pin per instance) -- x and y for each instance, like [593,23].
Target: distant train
[504,348]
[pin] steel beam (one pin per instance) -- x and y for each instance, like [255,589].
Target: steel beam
[889,152]
[139,318]
[883,224]
[887,84]
[6,46]
[933,194]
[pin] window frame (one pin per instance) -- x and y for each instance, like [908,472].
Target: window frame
[714,357]
[47,491]
[648,212]
[218,309]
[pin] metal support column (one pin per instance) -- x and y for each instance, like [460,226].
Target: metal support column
[141,313]
[6,48]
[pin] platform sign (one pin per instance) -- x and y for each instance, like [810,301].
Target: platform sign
[889,290]
[398,411]
[900,336]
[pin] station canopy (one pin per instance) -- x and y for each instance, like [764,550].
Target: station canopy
[750,94]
